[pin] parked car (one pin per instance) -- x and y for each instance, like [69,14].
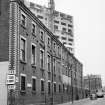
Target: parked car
[93,96]
[100,94]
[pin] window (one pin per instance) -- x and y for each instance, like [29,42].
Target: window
[62,23]
[42,85]
[41,35]
[62,15]
[55,27]
[54,87]
[54,46]
[63,38]
[23,19]
[33,56]
[70,44]
[64,43]
[70,39]
[57,37]
[41,58]
[54,68]
[40,17]
[49,87]
[56,13]
[48,42]
[63,88]
[33,28]
[48,62]
[59,88]
[33,84]
[55,21]
[22,49]
[23,83]
[58,51]
[64,29]
[32,5]
[69,25]
[69,30]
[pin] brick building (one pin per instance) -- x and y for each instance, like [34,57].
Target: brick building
[35,67]
[92,83]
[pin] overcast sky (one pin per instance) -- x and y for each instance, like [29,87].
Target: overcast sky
[89,32]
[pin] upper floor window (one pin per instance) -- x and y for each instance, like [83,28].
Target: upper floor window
[59,53]
[63,88]
[54,87]
[33,28]
[42,85]
[69,30]
[33,83]
[59,88]
[54,46]
[41,58]
[33,55]
[48,62]
[42,35]
[70,25]
[70,40]
[23,49]
[55,27]
[23,82]
[23,19]
[64,43]
[54,65]
[55,21]
[40,17]
[49,87]
[62,23]
[64,38]
[49,41]
[62,14]
[64,29]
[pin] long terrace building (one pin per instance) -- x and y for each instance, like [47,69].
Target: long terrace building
[35,67]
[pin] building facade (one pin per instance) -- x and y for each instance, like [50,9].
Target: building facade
[59,23]
[36,67]
[92,82]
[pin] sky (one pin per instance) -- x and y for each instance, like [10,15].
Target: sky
[89,32]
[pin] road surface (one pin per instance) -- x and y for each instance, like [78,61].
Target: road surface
[98,101]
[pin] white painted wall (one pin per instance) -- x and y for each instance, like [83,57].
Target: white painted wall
[3,86]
